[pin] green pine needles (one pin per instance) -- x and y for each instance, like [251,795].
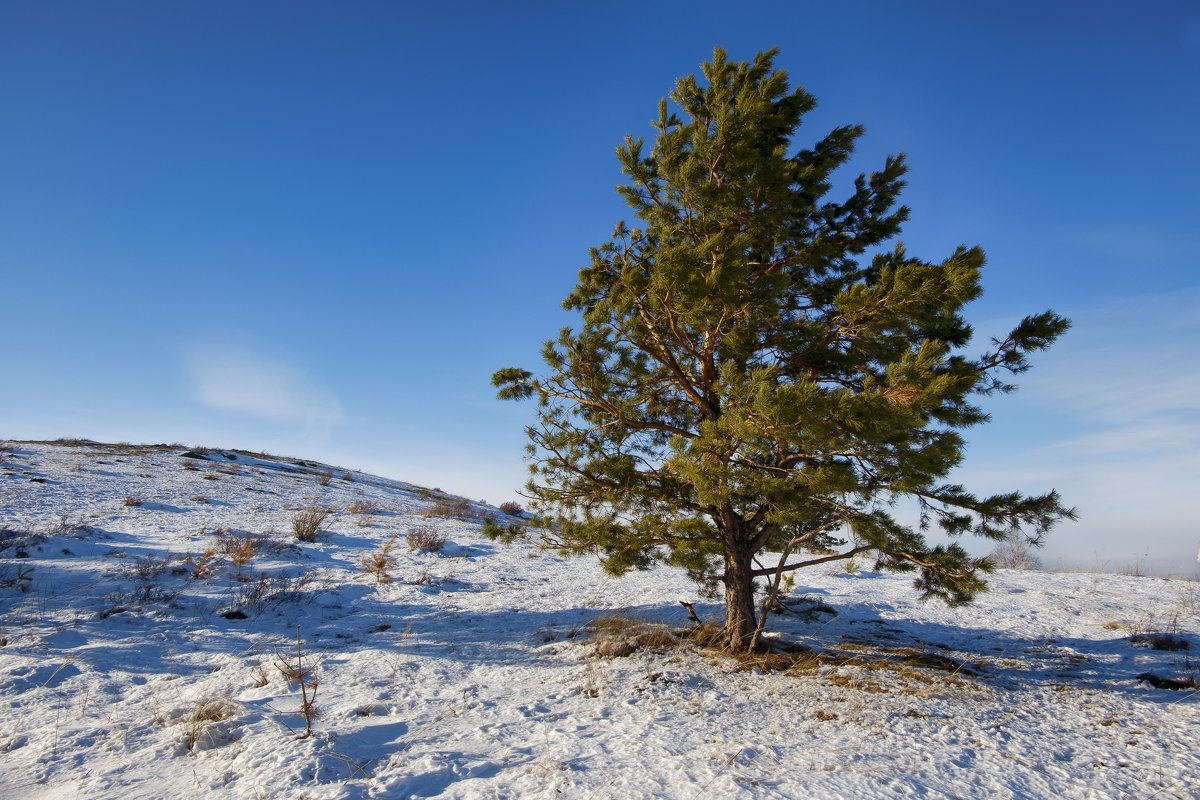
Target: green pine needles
[757,370]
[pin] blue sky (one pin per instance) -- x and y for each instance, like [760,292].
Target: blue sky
[317,228]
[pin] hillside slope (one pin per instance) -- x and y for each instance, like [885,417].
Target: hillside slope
[149,596]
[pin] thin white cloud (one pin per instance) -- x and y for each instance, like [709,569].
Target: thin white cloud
[1129,366]
[1128,375]
[239,382]
[1158,437]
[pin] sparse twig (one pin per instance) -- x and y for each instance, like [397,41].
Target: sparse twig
[308,685]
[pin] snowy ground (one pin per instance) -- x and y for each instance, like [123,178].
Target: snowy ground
[133,665]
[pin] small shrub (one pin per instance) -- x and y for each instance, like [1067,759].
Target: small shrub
[261,676]
[20,578]
[241,550]
[454,508]
[19,541]
[512,508]
[267,590]
[362,507]
[425,540]
[1015,552]
[67,524]
[145,568]
[203,566]
[307,522]
[1160,641]
[324,478]
[381,562]
[133,501]
[305,675]
[199,498]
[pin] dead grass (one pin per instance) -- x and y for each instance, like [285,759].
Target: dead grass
[618,635]
[67,525]
[449,507]
[206,712]
[362,507]
[801,662]
[306,525]
[132,501]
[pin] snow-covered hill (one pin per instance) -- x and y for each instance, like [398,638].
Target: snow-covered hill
[150,595]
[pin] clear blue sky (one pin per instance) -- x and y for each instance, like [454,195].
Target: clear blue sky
[317,228]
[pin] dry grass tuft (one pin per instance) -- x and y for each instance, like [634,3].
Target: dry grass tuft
[791,663]
[362,507]
[450,507]
[617,636]
[307,522]
[206,712]
[132,501]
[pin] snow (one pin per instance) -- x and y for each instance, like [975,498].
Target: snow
[474,674]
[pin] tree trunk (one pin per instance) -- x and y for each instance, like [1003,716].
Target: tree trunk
[740,614]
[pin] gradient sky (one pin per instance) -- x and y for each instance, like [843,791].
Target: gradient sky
[316,228]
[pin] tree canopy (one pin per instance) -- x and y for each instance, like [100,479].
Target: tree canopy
[761,369]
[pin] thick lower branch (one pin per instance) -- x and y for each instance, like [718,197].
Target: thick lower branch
[758,573]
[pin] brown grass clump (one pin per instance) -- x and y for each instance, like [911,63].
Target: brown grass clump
[307,522]
[617,636]
[453,508]
[206,712]
[511,508]
[362,507]
[132,501]
[425,540]
[790,663]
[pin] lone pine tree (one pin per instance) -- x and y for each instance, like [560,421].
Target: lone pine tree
[760,369]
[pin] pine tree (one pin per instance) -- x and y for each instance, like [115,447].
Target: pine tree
[762,369]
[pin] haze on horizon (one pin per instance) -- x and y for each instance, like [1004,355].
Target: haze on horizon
[316,230]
